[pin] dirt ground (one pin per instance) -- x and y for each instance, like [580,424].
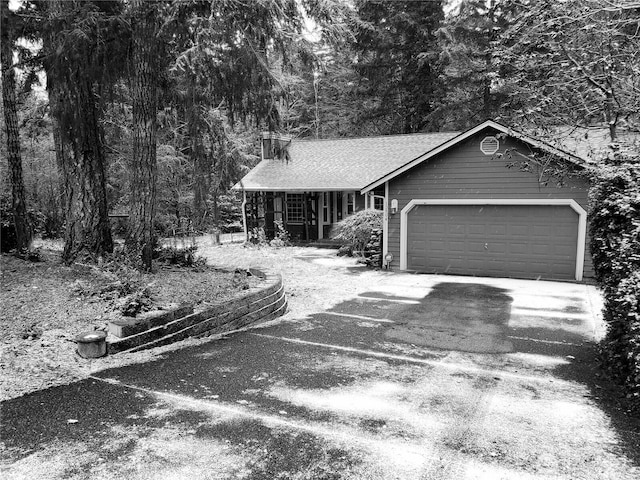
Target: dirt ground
[46,305]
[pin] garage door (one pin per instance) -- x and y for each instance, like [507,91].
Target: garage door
[520,241]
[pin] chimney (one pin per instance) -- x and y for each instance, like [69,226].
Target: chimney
[275,146]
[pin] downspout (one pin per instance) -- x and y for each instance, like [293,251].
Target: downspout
[385,225]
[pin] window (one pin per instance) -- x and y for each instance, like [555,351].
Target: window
[351,203]
[295,208]
[277,209]
[326,198]
[378,203]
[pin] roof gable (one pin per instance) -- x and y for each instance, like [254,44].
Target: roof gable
[489,124]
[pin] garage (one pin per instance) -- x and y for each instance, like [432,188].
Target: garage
[526,240]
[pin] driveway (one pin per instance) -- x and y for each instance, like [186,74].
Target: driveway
[411,377]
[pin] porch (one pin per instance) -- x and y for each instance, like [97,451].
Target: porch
[307,216]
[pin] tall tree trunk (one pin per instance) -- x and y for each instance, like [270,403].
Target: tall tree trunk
[21,221]
[79,151]
[144,164]
[200,158]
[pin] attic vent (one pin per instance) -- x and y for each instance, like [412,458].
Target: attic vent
[489,145]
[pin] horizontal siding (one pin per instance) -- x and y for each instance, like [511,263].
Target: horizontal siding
[465,172]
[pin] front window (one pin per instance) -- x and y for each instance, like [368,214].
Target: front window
[351,203]
[295,208]
[277,209]
[378,203]
[325,207]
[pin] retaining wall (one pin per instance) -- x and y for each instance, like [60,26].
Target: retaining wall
[261,304]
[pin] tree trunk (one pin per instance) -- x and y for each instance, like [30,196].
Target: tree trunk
[201,162]
[144,166]
[79,151]
[87,220]
[21,221]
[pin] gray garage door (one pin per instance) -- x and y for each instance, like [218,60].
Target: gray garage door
[516,241]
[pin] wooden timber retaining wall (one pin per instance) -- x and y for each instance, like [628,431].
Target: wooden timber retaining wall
[267,303]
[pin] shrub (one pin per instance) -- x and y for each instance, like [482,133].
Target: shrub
[355,230]
[281,238]
[615,247]
[185,257]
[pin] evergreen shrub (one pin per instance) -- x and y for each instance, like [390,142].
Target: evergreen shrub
[615,247]
[355,230]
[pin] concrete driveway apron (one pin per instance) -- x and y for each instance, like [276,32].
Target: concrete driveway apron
[428,377]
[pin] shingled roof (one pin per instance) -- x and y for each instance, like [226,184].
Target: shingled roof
[364,163]
[341,164]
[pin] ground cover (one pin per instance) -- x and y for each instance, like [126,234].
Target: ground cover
[46,304]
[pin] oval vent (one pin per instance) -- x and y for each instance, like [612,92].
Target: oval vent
[489,145]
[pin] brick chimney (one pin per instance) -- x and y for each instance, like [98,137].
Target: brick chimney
[275,146]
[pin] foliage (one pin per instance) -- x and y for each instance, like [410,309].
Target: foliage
[8,240]
[281,237]
[615,230]
[469,68]
[184,257]
[356,229]
[574,62]
[398,63]
[257,236]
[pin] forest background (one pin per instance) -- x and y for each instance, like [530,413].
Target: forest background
[153,109]
[149,111]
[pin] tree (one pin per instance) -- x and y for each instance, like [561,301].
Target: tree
[575,62]
[236,65]
[469,71]
[398,63]
[22,226]
[84,44]
[144,162]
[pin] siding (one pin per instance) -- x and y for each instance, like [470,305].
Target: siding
[465,172]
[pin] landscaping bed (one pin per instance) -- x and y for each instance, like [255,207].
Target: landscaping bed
[46,304]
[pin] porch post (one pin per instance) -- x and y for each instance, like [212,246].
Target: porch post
[244,214]
[305,215]
[320,215]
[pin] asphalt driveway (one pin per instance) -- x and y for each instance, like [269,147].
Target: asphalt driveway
[419,377]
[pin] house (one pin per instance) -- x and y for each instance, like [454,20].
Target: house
[469,203]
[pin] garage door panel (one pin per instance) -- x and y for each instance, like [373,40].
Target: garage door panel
[496,229]
[436,228]
[518,248]
[523,241]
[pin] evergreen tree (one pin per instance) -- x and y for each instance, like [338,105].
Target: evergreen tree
[470,74]
[144,97]
[9,22]
[83,43]
[398,63]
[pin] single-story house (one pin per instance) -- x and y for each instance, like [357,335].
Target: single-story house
[453,202]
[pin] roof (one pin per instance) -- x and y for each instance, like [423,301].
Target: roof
[340,164]
[367,162]
[570,157]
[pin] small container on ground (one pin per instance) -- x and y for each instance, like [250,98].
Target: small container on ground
[92,344]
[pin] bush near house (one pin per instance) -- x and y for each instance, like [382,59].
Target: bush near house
[615,246]
[355,231]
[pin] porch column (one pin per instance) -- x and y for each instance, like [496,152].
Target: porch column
[244,214]
[320,215]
